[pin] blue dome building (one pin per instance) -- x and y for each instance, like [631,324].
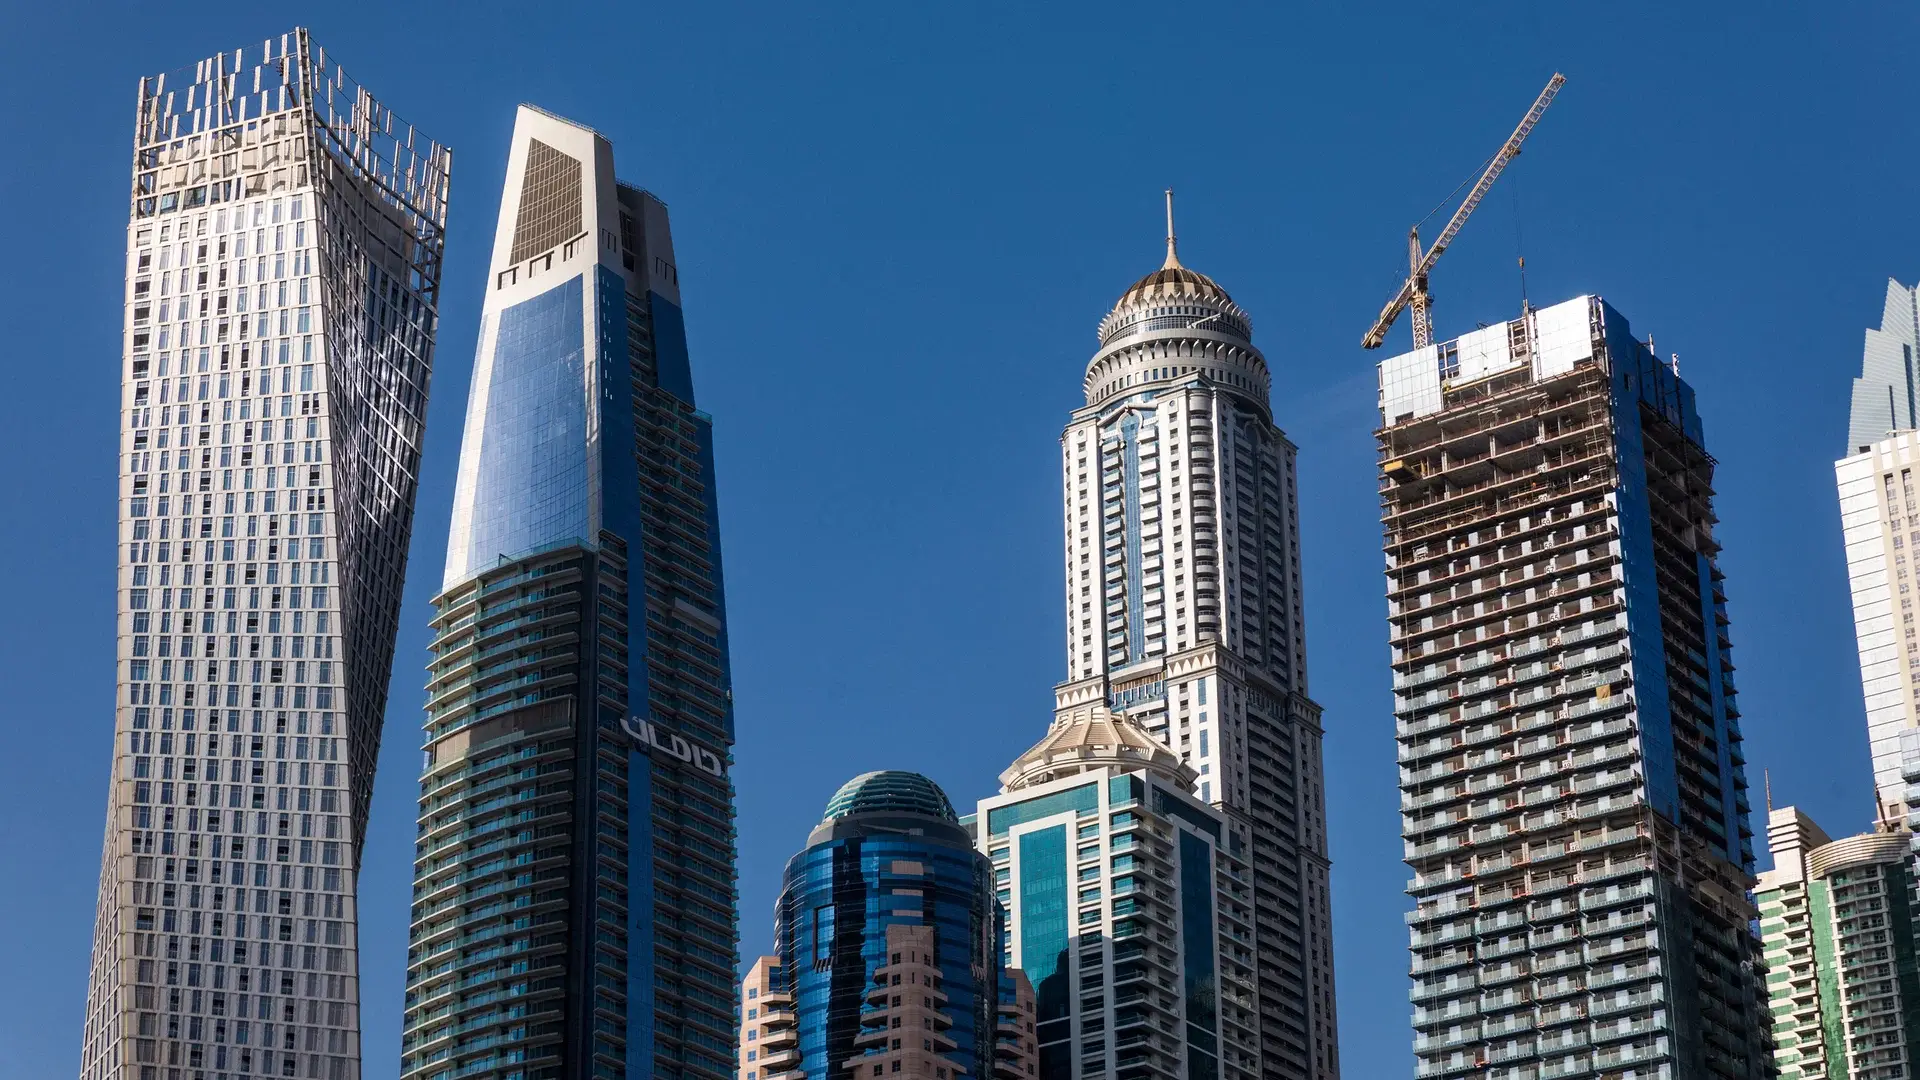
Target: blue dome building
[889,939]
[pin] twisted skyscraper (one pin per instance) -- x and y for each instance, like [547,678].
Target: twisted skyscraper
[283,265]
[1184,614]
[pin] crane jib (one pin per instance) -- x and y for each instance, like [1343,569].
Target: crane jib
[1413,293]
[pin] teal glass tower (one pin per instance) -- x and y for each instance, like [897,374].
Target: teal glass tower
[1130,905]
[573,904]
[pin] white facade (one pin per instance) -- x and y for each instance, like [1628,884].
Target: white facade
[282,271]
[1184,611]
[1880,520]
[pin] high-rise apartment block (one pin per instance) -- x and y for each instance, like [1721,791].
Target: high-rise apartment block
[1843,977]
[574,889]
[887,959]
[1574,804]
[1880,517]
[1184,612]
[769,1036]
[1130,907]
[283,266]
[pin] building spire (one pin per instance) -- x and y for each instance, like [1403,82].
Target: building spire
[1173,257]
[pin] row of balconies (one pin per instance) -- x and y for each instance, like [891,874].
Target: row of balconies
[1558,732]
[1586,874]
[1444,721]
[1466,593]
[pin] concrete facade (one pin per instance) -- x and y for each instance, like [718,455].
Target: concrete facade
[1843,979]
[1573,792]
[1880,523]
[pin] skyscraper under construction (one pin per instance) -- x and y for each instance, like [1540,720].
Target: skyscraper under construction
[1575,808]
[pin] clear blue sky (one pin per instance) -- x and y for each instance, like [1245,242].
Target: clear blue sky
[897,227]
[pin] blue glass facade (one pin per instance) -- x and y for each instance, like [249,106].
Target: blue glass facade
[1136,589]
[1641,388]
[1042,896]
[877,866]
[574,895]
[530,483]
[1199,969]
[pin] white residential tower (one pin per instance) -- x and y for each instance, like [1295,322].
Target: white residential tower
[1184,613]
[283,262]
[1881,521]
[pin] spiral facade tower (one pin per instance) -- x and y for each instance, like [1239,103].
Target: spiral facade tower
[283,265]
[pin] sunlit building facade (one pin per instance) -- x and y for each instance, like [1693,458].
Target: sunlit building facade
[1184,612]
[1843,977]
[1129,906]
[574,891]
[769,1043]
[1573,795]
[1880,517]
[282,283]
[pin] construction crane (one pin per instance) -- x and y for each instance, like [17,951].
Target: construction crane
[1413,294]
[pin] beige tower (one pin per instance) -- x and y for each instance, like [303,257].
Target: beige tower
[1184,611]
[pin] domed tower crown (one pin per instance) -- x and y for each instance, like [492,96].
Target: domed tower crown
[1091,738]
[1174,323]
[890,792]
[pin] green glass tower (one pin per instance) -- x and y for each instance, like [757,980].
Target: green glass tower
[1843,980]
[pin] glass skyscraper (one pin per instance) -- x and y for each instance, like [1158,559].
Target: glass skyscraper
[573,907]
[1572,789]
[1184,611]
[887,948]
[283,270]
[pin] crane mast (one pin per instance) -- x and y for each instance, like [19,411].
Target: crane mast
[1413,295]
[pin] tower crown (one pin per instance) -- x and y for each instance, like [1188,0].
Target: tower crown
[1091,738]
[890,792]
[1174,298]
